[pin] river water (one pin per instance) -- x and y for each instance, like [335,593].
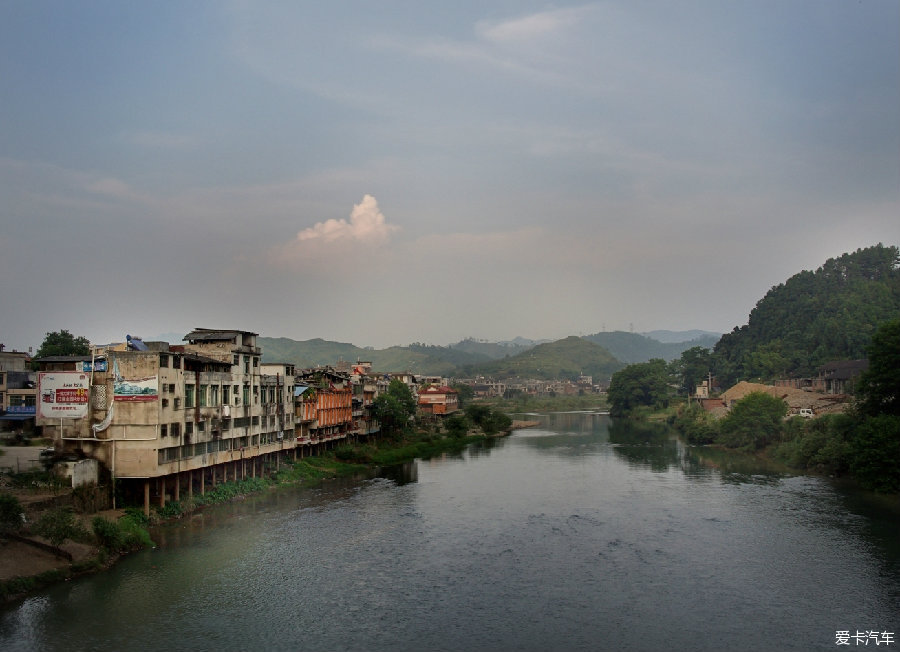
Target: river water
[576,535]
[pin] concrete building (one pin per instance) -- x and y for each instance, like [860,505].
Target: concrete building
[438,400]
[165,419]
[17,393]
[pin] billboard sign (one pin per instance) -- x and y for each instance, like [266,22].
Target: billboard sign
[63,394]
[134,389]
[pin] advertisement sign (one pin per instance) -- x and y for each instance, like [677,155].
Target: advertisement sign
[134,389]
[63,394]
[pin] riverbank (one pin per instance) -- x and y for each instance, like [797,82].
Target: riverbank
[28,567]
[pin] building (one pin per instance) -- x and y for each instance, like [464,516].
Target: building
[323,407]
[165,419]
[17,393]
[440,400]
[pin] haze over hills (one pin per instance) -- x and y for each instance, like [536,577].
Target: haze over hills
[606,353]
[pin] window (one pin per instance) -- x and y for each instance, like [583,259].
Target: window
[214,395]
[236,361]
[188,427]
[163,360]
[255,362]
[246,394]
[177,404]
[165,402]
[163,430]
[188,396]
[246,364]
[201,426]
[171,388]
[176,362]
[255,421]
[202,395]
[176,430]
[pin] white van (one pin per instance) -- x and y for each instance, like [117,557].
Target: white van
[806,413]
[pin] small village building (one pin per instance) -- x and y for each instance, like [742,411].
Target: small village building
[438,400]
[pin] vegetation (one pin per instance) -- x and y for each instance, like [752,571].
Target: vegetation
[633,348]
[58,525]
[753,423]
[11,514]
[566,359]
[814,317]
[63,343]
[646,384]
[395,407]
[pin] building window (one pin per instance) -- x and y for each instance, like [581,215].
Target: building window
[226,394]
[214,395]
[164,360]
[176,362]
[246,364]
[188,427]
[176,430]
[177,404]
[202,395]
[246,394]
[201,426]
[163,430]
[165,402]
[255,362]
[236,361]
[188,396]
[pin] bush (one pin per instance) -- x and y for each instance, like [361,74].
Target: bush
[875,453]
[754,422]
[11,513]
[57,525]
[108,534]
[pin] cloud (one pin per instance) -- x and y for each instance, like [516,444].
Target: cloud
[367,228]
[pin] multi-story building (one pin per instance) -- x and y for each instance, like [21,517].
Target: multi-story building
[324,407]
[163,418]
[17,392]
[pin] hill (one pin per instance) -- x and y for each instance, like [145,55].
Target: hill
[632,347]
[815,317]
[671,337]
[416,358]
[491,350]
[566,358]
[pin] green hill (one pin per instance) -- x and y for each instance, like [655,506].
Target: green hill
[567,358]
[415,358]
[815,317]
[491,350]
[633,348]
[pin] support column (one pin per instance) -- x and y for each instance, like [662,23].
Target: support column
[191,484]
[162,492]
[177,487]
[147,497]
[203,481]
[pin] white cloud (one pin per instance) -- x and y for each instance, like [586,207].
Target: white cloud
[366,229]
[367,224]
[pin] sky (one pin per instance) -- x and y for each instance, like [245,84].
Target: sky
[396,172]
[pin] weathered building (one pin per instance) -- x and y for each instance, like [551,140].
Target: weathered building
[165,419]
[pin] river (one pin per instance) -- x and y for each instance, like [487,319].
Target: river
[578,534]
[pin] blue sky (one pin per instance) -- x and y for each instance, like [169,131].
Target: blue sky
[405,171]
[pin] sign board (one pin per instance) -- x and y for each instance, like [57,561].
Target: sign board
[63,394]
[134,389]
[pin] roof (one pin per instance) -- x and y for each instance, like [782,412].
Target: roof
[66,358]
[443,389]
[844,369]
[211,335]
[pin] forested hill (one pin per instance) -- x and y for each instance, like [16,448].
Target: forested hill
[815,317]
[632,347]
[564,359]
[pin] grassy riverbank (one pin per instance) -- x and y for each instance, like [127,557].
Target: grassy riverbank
[95,543]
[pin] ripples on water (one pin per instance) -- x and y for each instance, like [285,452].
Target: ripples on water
[572,536]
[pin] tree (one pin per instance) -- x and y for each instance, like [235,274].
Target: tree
[457,425]
[57,525]
[63,343]
[692,367]
[753,422]
[643,384]
[394,407]
[11,513]
[879,387]
[875,452]
[464,393]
